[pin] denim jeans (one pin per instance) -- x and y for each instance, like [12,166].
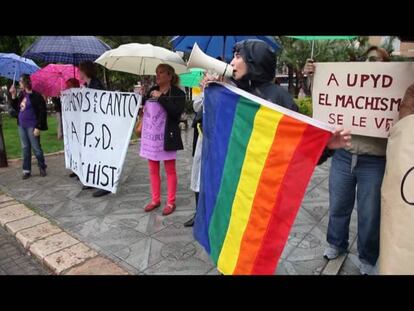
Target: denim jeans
[357,176]
[29,142]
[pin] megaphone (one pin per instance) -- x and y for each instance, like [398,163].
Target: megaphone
[200,60]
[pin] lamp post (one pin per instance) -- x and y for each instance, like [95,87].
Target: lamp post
[3,155]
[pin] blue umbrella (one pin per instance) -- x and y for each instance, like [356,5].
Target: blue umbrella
[66,49]
[216,46]
[12,66]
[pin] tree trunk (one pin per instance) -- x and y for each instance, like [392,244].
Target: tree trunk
[106,79]
[3,155]
[299,81]
[291,88]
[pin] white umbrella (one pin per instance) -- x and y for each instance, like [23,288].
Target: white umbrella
[140,59]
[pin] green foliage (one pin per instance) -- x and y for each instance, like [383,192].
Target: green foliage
[16,45]
[115,41]
[295,52]
[305,105]
[10,44]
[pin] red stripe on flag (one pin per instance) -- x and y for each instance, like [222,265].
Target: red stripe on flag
[288,135]
[290,196]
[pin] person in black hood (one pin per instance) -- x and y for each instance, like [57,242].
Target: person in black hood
[254,69]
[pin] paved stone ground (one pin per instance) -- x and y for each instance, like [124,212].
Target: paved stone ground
[14,259]
[149,243]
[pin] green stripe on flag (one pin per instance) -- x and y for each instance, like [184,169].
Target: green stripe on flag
[239,139]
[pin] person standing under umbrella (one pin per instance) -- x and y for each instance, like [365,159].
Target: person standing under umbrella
[71,83]
[31,119]
[87,73]
[172,99]
[197,146]
[254,68]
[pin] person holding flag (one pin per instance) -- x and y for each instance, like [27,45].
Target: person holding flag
[254,68]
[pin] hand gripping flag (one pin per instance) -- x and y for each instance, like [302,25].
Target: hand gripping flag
[257,160]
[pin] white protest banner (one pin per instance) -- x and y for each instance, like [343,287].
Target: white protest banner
[362,96]
[397,202]
[97,128]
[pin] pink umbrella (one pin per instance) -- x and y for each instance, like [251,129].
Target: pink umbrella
[50,80]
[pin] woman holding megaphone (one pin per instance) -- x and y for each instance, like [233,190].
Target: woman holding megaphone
[253,69]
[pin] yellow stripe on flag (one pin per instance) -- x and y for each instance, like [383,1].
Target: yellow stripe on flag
[196,91]
[261,139]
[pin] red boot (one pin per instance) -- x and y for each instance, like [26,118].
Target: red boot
[168,209]
[152,206]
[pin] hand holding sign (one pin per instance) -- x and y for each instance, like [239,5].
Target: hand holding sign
[407,106]
[13,91]
[340,139]
[156,94]
[309,68]
[153,129]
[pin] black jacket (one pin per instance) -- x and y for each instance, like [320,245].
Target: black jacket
[57,104]
[39,107]
[95,84]
[261,70]
[174,105]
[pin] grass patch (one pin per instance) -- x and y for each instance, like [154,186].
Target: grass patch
[48,139]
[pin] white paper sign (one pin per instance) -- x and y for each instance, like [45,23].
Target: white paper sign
[97,128]
[361,96]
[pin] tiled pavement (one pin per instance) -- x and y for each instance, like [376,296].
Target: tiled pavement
[149,243]
[14,259]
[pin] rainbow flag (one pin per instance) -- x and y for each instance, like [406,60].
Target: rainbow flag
[257,160]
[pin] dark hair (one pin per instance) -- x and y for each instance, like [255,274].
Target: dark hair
[382,52]
[26,81]
[89,68]
[175,79]
[72,82]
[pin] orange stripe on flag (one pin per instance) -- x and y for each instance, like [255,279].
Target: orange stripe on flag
[287,137]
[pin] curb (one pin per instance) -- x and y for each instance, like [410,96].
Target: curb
[56,249]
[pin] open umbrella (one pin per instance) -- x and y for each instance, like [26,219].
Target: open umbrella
[50,80]
[12,66]
[66,49]
[217,46]
[192,78]
[140,59]
[314,38]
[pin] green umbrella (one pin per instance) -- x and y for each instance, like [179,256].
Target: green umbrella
[313,38]
[192,78]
